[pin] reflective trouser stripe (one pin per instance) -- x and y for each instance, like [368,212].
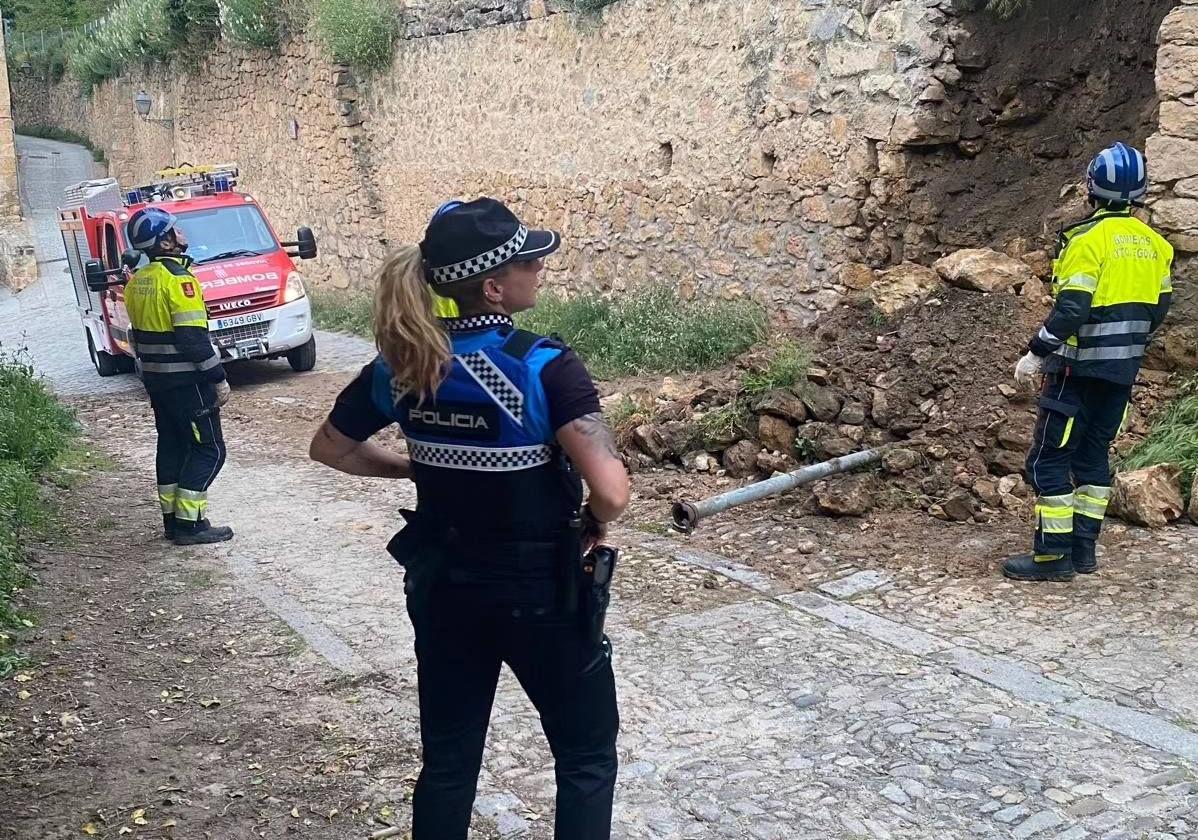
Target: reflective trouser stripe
[195,431]
[1054,525]
[190,505]
[166,497]
[1089,506]
[1067,433]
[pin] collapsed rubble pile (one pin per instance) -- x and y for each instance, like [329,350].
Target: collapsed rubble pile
[921,360]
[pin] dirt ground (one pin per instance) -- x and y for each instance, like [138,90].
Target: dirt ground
[140,661]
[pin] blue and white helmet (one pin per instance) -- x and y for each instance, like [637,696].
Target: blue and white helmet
[148,227]
[1118,173]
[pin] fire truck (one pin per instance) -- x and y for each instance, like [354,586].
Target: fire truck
[257,305]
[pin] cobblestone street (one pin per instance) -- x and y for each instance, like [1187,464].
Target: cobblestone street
[876,701]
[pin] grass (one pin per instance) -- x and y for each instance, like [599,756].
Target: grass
[720,424]
[62,135]
[252,23]
[786,368]
[35,431]
[343,312]
[648,331]
[361,33]
[1173,438]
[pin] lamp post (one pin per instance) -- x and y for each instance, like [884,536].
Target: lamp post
[142,104]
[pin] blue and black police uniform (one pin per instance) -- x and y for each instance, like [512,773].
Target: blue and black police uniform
[486,554]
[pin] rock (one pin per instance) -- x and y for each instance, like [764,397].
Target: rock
[1181,348]
[1180,26]
[649,440]
[857,276]
[843,498]
[983,270]
[677,435]
[774,462]
[1176,73]
[853,414]
[823,403]
[671,389]
[776,434]
[1150,497]
[1179,119]
[1039,262]
[1007,391]
[899,461]
[987,490]
[882,409]
[740,459]
[959,507]
[1015,437]
[929,125]
[783,403]
[1003,462]
[902,286]
[1179,214]
[818,376]
[835,446]
[1193,512]
[699,462]
[1012,485]
[937,452]
[1173,158]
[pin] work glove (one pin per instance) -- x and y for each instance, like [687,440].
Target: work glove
[222,392]
[1028,369]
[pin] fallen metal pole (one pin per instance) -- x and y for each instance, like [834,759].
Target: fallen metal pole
[688,514]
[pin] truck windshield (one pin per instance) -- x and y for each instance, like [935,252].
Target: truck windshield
[226,232]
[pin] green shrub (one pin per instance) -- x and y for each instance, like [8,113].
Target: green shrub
[648,331]
[34,427]
[254,23]
[786,368]
[350,312]
[360,33]
[1173,438]
[133,32]
[721,424]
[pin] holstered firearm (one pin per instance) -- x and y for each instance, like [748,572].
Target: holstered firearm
[420,549]
[597,569]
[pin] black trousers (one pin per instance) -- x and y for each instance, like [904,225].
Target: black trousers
[1069,463]
[466,628]
[191,449]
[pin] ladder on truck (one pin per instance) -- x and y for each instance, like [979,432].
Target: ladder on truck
[186,182]
[82,200]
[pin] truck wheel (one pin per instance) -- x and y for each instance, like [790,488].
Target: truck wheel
[303,358]
[106,363]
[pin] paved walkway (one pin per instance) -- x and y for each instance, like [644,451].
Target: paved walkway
[876,706]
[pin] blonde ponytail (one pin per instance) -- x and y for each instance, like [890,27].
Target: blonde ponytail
[406,329]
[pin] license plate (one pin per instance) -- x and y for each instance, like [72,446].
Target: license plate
[238,320]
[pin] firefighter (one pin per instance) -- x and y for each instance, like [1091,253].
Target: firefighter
[500,423]
[182,373]
[1111,282]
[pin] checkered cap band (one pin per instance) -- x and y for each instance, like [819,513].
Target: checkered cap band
[481,264]
[495,382]
[477,458]
[476,323]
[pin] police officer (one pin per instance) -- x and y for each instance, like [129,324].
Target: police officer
[500,426]
[182,373]
[1111,281]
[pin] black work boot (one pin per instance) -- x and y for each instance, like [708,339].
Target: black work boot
[202,534]
[1085,562]
[1055,567]
[168,526]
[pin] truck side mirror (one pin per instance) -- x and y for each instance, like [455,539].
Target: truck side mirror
[130,259]
[305,244]
[94,272]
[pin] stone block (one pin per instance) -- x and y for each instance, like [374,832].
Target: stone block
[1180,26]
[902,286]
[1179,119]
[1172,158]
[1176,214]
[983,270]
[1176,71]
[1150,497]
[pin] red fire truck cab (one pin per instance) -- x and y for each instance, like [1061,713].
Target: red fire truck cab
[257,305]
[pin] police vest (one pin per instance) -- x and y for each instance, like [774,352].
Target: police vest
[484,457]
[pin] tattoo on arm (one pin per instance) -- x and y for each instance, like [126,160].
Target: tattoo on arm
[595,429]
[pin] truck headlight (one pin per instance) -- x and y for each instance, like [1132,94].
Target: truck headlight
[295,287]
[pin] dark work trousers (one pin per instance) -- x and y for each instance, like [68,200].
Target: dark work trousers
[467,625]
[1069,463]
[191,449]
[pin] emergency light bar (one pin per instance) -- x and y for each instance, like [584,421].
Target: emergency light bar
[186,182]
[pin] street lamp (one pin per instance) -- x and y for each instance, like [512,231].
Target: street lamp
[142,103]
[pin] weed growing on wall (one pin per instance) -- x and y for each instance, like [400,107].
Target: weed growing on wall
[360,33]
[253,23]
[1173,438]
[133,32]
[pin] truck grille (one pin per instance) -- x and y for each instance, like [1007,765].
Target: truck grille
[256,301]
[247,332]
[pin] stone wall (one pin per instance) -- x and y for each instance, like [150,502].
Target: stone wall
[730,147]
[1173,165]
[18,265]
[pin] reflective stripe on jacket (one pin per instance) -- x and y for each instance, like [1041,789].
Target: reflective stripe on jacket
[170,326]
[1112,286]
